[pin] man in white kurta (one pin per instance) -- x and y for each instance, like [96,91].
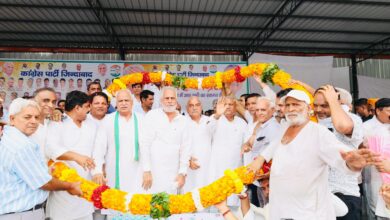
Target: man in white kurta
[378,126]
[46,99]
[76,134]
[124,153]
[300,160]
[99,107]
[165,145]
[228,137]
[201,135]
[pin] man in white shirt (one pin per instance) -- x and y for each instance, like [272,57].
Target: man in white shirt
[228,137]
[136,90]
[201,145]
[99,107]
[117,146]
[259,138]
[378,126]
[165,146]
[47,100]
[348,129]
[75,134]
[147,100]
[300,158]
[156,89]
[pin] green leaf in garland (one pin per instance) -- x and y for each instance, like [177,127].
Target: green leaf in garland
[269,72]
[178,82]
[159,206]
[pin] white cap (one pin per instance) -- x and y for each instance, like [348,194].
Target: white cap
[297,94]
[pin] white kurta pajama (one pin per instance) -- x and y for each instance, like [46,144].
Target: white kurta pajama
[228,137]
[165,149]
[299,179]
[201,150]
[372,178]
[63,137]
[130,179]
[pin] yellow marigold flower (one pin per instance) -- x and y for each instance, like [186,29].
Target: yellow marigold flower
[208,82]
[168,79]
[218,80]
[155,77]
[114,199]
[140,204]
[191,83]
[228,76]
[181,204]
[119,82]
[258,68]
[87,187]
[281,78]
[246,71]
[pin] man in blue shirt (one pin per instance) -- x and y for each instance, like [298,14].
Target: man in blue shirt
[25,181]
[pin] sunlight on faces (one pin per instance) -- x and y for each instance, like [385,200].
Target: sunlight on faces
[82,111]
[383,115]
[124,102]
[169,100]
[99,106]
[321,106]
[230,107]
[251,105]
[296,112]
[279,107]
[47,101]
[26,121]
[242,101]
[194,107]
[264,110]
[148,102]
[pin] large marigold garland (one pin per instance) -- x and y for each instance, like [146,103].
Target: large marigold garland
[160,204]
[269,72]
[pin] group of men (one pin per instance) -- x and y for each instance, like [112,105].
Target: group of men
[146,146]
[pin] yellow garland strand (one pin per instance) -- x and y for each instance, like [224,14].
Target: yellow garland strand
[239,186]
[280,78]
[219,190]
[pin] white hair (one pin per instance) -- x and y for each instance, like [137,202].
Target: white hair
[167,88]
[124,91]
[345,96]
[270,102]
[19,104]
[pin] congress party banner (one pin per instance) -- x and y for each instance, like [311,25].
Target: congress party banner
[20,78]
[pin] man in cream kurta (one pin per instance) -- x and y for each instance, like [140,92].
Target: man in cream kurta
[164,145]
[75,134]
[228,137]
[127,177]
[201,135]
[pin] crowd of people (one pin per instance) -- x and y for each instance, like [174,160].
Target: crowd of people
[141,141]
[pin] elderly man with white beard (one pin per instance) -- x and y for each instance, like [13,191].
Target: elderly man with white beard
[300,160]
[201,135]
[165,145]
